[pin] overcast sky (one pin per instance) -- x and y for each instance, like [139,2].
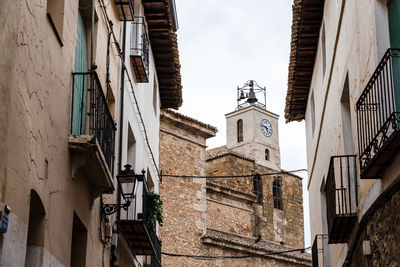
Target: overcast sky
[223,44]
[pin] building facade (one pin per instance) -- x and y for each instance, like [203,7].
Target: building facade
[73,82]
[343,81]
[254,219]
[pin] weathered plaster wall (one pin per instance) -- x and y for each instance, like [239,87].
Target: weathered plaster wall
[356,39]
[39,125]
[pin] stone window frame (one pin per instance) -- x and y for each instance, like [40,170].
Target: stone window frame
[257,188]
[239,125]
[277,194]
[267,154]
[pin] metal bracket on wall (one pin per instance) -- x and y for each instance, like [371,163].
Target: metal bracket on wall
[109,209]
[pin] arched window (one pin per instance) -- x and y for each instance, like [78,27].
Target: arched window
[257,187]
[277,193]
[266,154]
[239,131]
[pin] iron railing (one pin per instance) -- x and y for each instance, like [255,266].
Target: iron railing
[378,108]
[125,9]
[100,121]
[139,212]
[319,251]
[341,196]
[140,49]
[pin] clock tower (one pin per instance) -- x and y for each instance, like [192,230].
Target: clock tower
[252,130]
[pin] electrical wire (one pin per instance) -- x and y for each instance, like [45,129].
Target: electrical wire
[231,176]
[211,257]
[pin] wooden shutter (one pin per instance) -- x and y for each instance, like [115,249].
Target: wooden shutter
[80,81]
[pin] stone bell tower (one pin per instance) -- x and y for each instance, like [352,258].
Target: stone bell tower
[252,130]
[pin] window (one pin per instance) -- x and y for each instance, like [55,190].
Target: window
[155,95]
[35,242]
[277,194]
[312,111]
[55,14]
[78,243]
[239,131]
[257,188]
[131,155]
[323,46]
[266,154]
[346,119]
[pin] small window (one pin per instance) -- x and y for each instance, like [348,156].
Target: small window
[239,131]
[312,113]
[55,14]
[257,188]
[155,95]
[277,194]
[266,154]
[323,45]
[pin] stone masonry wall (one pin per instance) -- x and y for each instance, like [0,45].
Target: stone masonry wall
[197,212]
[383,231]
[251,218]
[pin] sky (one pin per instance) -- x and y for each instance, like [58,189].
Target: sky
[223,44]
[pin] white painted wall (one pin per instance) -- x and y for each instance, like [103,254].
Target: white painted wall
[355,44]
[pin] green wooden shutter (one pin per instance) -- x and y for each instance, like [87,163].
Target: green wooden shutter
[394,32]
[80,81]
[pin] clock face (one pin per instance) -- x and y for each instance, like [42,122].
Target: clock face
[266,128]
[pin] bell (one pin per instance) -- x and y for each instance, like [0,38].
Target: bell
[242,95]
[252,97]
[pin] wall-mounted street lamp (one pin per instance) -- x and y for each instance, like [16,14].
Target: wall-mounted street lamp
[126,179]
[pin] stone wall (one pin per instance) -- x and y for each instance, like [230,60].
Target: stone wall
[220,216]
[273,224]
[383,231]
[182,152]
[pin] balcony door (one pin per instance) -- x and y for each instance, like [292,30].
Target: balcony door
[80,81]
[394,32]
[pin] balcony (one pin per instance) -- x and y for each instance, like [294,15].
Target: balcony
[125,9]
[139,51]
[319,251]
[136,228]
[341,198]
[378,117]
[92,133]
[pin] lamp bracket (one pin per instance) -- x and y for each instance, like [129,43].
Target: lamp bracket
[109,209]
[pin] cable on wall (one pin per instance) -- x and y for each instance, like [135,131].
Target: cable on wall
[216,257]
[231,176]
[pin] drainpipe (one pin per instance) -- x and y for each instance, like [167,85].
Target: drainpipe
[121,115]
[108,59]
[92,37]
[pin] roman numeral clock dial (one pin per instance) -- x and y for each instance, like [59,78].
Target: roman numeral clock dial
[266,128]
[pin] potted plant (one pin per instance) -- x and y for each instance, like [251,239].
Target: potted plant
[154,209]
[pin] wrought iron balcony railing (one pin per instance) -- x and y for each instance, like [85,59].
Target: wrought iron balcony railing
[135,224]
[91,115]
[319,251]
[125,9]
[341,198]
[139,51]
[378,116]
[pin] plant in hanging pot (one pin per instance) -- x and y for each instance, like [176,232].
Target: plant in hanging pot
[154,209]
